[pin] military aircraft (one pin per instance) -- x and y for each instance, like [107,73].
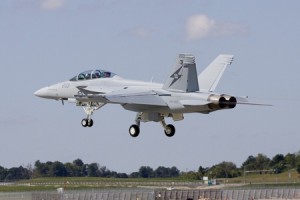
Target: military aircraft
[183,92]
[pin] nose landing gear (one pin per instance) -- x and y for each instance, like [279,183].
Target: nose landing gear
[89,109]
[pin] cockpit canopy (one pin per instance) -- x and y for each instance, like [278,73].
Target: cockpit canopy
[93,74]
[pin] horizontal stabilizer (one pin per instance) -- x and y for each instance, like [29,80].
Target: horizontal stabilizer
[244,101]
[254,104]
[211,75]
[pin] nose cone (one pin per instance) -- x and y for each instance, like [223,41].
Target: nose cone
[43,92]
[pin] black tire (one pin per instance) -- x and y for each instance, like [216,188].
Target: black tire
[84,122]
[134,130]
[90,123]
[170,130]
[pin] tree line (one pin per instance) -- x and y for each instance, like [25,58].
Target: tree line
[278,164]
[78,168]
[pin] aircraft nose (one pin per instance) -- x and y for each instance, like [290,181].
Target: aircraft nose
[43,92]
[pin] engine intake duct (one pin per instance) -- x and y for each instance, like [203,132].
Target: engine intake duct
[222,101]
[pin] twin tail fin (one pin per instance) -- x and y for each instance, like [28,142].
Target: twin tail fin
[184,75]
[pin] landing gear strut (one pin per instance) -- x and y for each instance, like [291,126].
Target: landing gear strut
[89,109]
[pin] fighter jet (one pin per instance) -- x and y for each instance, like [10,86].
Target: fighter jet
[183,92]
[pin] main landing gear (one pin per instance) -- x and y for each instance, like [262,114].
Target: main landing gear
[134,130]
[169,129]
[89,109]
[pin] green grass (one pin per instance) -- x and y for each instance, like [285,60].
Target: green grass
[51,183]
[21,188]
[287,177]
[97,179]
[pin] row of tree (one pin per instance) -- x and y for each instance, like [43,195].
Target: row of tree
[75,169]
[78,169]
[260,163]
[14,173]
[278,164]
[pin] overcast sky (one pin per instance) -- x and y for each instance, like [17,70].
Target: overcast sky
[47,41]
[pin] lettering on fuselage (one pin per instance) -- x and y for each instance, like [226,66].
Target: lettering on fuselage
[65,85]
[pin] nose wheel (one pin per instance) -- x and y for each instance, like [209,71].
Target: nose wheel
[87,122]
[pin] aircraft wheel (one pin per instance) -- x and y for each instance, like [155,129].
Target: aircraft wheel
[90,123]
[134,130]
[84,122]
[170,130]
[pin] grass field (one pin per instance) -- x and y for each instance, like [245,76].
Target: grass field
[97,179]
[286,179]
[254,178]
[38,184]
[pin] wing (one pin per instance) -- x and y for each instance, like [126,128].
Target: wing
[135,97]
[140,96]
[132,95]
[211,75]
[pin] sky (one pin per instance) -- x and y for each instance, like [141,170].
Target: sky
[43,42]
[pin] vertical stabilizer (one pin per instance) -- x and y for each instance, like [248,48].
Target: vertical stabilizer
[184,75]
[211,75]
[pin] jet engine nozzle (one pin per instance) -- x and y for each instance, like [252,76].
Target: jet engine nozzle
[222,101]
[230,101]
